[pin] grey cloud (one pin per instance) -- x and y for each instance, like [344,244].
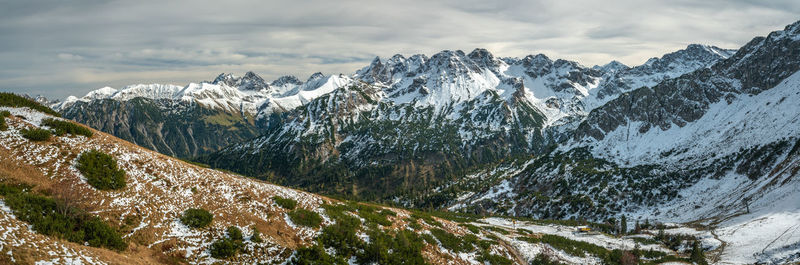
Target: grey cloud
[59,48]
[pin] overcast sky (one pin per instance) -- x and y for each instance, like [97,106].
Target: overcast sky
[59,48]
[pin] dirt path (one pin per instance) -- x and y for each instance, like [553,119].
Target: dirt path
[717,253]
[517,257]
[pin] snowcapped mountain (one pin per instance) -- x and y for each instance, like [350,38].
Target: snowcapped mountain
[197,118]
[412,122]
[717,146]
[148,220]
[396,114]
[246,95]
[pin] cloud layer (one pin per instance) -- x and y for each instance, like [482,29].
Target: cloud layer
[59,48]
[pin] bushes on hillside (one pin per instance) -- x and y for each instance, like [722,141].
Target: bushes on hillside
[256,237]
[35,134]
[453,242]
[196,218]
[14,100]
[285,203]
[101,170]
[63,127]
[3,125]
[229,246]
[395,247]
[55,218]
[305,218]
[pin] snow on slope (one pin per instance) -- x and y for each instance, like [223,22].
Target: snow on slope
[158,189]
[559,88]
[747,121]
[302,94]
[247,95]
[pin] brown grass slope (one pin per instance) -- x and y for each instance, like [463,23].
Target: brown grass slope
[159,188]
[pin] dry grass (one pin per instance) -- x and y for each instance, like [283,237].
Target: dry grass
[159,188]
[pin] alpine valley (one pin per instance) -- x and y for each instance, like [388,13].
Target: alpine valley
[702,140]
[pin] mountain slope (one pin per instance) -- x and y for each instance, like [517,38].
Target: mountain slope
[196,119]
[411,124]
[717,147]
[159,189]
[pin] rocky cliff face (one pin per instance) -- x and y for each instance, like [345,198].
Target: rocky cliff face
[691,147]
[186,131]
[395,128]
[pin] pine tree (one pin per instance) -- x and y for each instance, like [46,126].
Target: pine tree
[697,254]
[624,225]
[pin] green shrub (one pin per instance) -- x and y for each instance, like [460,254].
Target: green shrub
[3,115]
[305,218]
[14,100]
[572,247]
[35,134]
[453,242]
[429,239]
[256,237]
[53,218]
[697,256]
[342,236]
[234,233]
[494,259]
[101,170]
[224,248]
[404,247]
[497,229]
[285,203]
[371,216]
[472,228]
[427,218]
[196,218]
[337,211]
[315,255]
[229,246]
[541,259]
[65,127]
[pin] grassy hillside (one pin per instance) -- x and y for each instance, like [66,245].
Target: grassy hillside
[172,212]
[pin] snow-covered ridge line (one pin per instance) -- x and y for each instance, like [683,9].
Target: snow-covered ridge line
[248,94]
[558,88]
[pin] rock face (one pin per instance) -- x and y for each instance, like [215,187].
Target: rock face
[187,131]
[759,65]
[691,147]
[193,120]
[408,125]
[394,129]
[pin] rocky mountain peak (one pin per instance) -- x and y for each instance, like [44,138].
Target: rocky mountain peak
[251,81]
[286,80]
[483,58]
[315,76]
[612,66]
[225,78]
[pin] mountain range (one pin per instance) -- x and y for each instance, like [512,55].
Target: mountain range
[703,134]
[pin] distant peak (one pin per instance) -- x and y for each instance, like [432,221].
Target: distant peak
[612,66]
[225,78]
[315,76]
[793,28]
[480,53]
[286,79]
[251,75]
[251,81]
[397,57]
